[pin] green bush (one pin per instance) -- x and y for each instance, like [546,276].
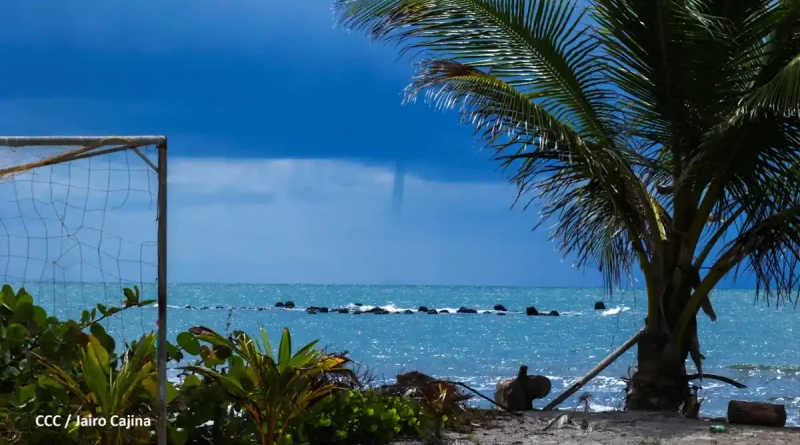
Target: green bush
[43,368]
[361,417]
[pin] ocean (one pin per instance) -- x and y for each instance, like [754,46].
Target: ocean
[752,342]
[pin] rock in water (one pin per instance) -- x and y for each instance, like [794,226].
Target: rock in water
[518,393]
[279,304]
[553,313]
[466,310]
[408,311]
[444,311]
[530,310]
[500,307]
[599,306]
[289,305]
[432,312]
[423,309]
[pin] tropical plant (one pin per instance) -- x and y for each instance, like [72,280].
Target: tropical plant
[272,389]
[29,337]
[658,134]
[116,397]
[442,401]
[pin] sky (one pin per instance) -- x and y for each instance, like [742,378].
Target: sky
[285,137]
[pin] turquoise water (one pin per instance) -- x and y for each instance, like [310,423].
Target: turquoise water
[751,342]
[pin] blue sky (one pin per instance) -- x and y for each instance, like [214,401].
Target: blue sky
[284,136]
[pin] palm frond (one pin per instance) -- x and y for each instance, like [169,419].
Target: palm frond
[540,47]
[781,94]
[591,190]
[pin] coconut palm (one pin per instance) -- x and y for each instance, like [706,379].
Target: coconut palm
[658,135]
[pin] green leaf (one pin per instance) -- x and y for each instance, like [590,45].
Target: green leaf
[172,392]
[189,343]
[98,351]
[7,290]
[231,385]
[9,297]
[23,312]
[24,297]
[131,296]
[39,316]
[102,336]
[173,353]
[178,436]
[285,350]
[94,371]
[48,383]
[212,360]
[16,335]
[23,395]
[190,381]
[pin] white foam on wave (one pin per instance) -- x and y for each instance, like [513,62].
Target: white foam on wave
[387,307]
[390,307]
[599,408]
[615,310]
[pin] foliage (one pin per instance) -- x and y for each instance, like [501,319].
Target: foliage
[235,390]
[361,417]
[661,134]
[102,393]
[442,401]
[32,342]
[272,389]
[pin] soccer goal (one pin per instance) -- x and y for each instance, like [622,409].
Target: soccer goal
[82,219]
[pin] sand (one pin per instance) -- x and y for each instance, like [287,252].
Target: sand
[614,428]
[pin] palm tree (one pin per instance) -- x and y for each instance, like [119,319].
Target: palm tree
[657,134]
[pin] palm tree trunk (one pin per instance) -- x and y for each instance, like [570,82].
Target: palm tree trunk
[659,383]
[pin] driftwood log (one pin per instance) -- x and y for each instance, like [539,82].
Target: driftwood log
[755,413]
[518,393]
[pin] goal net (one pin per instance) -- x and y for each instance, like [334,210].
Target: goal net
[79,223]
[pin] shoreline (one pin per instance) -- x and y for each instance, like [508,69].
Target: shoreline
[492,427]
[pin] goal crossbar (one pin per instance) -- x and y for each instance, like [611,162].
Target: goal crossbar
[26,141]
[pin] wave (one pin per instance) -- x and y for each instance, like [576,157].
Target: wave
[615,310]
[755,367]
[391,308]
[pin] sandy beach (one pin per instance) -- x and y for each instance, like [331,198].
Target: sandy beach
[612,428]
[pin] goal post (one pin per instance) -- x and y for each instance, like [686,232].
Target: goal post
[51,232]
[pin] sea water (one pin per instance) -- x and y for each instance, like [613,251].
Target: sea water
[752,341]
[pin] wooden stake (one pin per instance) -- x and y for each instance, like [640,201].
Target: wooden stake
[594,372]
